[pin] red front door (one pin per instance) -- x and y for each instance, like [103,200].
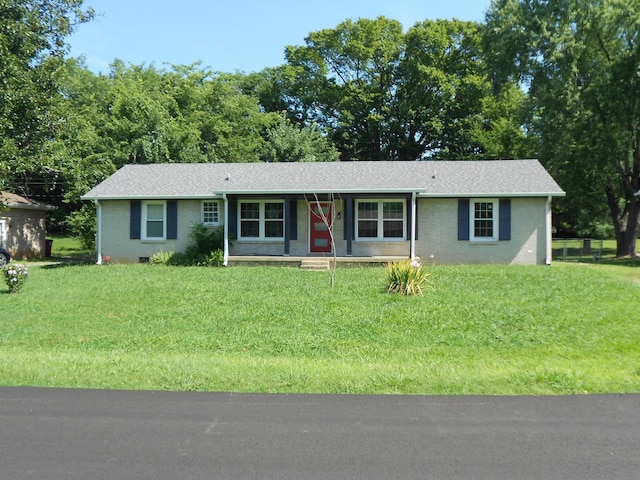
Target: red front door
[320,219]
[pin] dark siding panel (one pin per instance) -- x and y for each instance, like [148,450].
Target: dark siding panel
[232,221]
[505,219]
[463,219]
[417,216]
[293,219]
[349,218]
[135,218]
[172,220]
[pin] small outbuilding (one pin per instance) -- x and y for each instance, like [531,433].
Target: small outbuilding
[23,226]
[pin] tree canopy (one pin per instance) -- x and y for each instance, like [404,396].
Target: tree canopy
[140,114]
[32,49]
[579,61]
[382,94]
[557,80]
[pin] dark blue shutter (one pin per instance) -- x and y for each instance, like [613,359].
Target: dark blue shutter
[504,231]
[232,221]
[463,219]
[172,219]
[135,217]
[349,220]
[293,220]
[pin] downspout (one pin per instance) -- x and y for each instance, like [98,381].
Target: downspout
[98,232]
[412,247]
[225,261]
[548,232]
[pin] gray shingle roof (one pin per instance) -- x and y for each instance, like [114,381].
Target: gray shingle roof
[431,178]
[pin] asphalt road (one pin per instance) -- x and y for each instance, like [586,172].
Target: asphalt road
[94,434]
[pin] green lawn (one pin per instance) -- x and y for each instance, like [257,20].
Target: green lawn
[64,247]
[568,328]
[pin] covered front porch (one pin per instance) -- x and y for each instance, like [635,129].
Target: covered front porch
[311,262]
[362,228]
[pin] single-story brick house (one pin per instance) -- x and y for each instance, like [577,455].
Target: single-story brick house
[446,212]
[23,226]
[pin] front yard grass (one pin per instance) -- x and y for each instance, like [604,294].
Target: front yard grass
[563,329]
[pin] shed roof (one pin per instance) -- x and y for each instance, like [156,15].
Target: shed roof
[428,178]
[13,200]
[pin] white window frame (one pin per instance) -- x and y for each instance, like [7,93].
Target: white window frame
[3,232]
[380,220]
[215,213]
[261,221]
[495,217]
[145,220]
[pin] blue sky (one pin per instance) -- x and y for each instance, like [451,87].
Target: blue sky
[229,36]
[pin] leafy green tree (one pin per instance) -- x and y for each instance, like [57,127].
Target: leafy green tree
[381,94]
[504,130]
[441,86]
[345,79]
[287,142]
[32,49]
[579,61]
[140,114]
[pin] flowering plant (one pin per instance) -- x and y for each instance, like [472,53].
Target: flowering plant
[15,275]
[407,277]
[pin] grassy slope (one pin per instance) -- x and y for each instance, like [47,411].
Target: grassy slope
[485,329]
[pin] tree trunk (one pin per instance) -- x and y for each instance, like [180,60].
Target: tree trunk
[625,224]
[626,227]
[626,240]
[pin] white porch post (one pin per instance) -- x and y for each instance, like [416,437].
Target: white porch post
[412,248]
[549,232]
[226,230]
[98,232]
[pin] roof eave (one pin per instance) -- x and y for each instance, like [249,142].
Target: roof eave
[420,192]
[29,206]
[149,197]
[492,194]
[368,191]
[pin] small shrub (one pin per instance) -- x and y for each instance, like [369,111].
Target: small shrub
[15,276]
[162,258]
[82,224]
[171,258]
[179,259]
[215,258]
[204,241]
[407,277]
[206,247]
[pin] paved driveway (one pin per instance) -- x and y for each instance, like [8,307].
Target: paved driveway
[93,434]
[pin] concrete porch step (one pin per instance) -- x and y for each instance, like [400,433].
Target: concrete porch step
[314,264]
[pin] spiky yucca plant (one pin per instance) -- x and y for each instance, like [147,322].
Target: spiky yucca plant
[407,277]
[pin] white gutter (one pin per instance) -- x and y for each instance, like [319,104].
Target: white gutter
[548,232]
[150,197]
[225,261]
[98,232]
[368,191]
[492,195]
[412,248]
